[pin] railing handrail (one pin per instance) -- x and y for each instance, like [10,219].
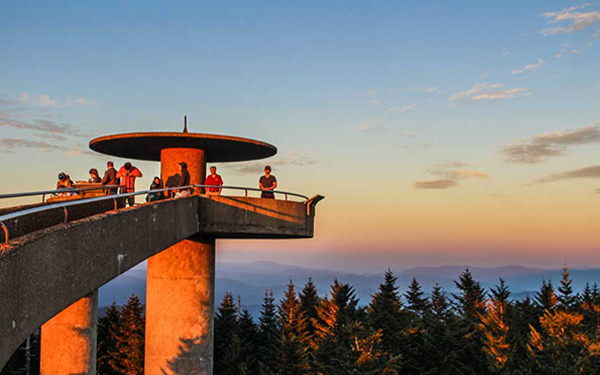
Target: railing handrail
[56,191]
[109,187]
[75,202]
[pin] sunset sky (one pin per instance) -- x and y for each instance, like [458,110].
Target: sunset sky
[440,132]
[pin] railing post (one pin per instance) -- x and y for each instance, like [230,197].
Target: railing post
[5,232]
[66,212]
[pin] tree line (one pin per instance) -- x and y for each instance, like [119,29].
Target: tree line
[473,331]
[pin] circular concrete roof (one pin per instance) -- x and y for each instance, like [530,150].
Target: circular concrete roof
[147,146]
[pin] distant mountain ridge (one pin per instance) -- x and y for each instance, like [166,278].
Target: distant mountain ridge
[250,280]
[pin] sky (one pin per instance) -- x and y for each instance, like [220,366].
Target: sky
[439,132]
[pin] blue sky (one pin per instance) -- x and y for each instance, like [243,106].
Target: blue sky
[394,108]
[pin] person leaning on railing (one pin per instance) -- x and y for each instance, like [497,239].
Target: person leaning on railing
[155,195]
[128,173]
[94,176]
[65,183]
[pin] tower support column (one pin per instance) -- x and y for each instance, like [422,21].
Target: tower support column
[169,165]
[68,344]
[180,309]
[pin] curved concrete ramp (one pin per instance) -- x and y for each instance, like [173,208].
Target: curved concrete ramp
[44,272]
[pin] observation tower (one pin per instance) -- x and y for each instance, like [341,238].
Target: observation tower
[54,256]
[180,281]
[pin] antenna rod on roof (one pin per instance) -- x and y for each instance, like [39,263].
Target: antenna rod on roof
[185,124]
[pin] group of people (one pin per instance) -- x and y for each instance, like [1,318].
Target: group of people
[213,184]
[123,181]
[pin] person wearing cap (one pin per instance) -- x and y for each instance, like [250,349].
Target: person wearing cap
[110,177]
[184,180]
[214,181]
[128,173]
[267,182]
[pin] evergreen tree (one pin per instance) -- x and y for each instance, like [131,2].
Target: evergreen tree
[566,298]
[559,346]
[385,315]
[309,299]
[332,341]
[471,306]
[248,332]
[109,327]
[415,302]
[495,328]
[522,316]
[545,299]
[293,341]
[413,339]
[471,299]
[227,345]
[130,338]
[596,294]
[269,334]
[440,307]
[440,339]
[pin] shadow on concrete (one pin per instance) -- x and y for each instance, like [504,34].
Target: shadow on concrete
[245,217]
[193,358]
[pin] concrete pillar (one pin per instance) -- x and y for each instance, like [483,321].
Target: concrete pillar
[169,165]
[180,309]
[68,344]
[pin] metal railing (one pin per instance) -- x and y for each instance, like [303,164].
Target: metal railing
[114,197]
[57,192]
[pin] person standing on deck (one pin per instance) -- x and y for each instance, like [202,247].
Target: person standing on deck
[184,180]
[267,182]
[110,177]
[213,180]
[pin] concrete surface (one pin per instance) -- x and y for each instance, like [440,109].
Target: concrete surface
[180,309]
[69,339]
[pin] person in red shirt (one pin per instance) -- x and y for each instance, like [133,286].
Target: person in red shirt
[215,180]
[128,174]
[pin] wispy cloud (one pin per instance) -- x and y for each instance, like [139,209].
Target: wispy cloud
[539,148]
[39,125]
[435,184]
[425,89]
[46,101]
[571,19]
[297,159]
[488,91]
[449,175]
[370,93]
[42,100]
[460,174]
[528,68]
[373,125]
[12,144]
[402,109]
[446,164]
[592,172]
[566,50]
